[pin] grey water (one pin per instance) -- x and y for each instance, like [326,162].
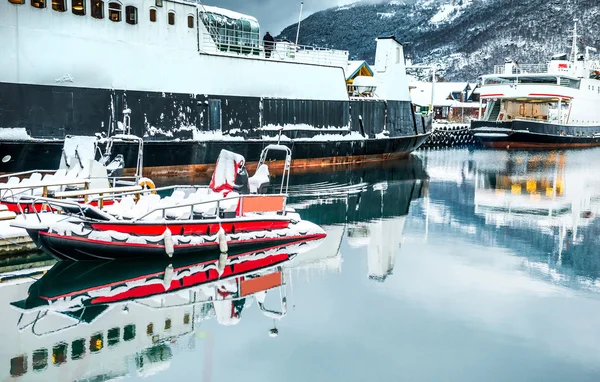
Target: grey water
[452,265]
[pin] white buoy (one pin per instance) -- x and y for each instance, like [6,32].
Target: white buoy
[222,240]
[221,263]
[168,238]
[168,278]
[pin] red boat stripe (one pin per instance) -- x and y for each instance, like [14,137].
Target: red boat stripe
[149,229]
[548,95]
[492,95]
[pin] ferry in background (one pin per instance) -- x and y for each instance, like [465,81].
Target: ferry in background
[539,106]
[194,80]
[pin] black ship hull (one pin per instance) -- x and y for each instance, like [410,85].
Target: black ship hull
[180,158]
[534,135]
[184,133]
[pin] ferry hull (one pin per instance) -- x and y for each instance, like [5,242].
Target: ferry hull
[534,135]
[189,157]
[184,133]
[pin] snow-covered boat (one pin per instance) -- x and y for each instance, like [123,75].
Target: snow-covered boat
[87,168]
[542,106]
[232,213]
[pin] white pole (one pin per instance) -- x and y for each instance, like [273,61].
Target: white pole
[299,20]
[432,90]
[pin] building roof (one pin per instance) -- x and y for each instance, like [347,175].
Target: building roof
[420,92]
[354,67]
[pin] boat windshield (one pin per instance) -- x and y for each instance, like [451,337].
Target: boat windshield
[532,80]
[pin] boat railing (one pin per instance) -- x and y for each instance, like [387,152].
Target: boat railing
[226,42]
[218,201]
[7,191]
[520,69]
[49,204]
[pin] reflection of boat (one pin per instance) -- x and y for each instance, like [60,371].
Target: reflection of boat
[371,203]
[97,318]
[542,207]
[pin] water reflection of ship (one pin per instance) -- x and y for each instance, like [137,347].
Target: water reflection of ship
[369,204]
[542,205]
[104,320]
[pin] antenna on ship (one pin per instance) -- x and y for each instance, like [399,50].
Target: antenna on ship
[574,43]
[299,20]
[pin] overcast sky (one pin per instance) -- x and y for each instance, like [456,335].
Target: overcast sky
[274,15]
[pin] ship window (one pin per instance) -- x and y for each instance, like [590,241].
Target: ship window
[40,359]
[131,15]
[98,9]
[59,5]
[129,332]
[78,7]
[96,343]
[59,353]
[114,12]
[16,1]
[18,366]
[38,3]
[190,21]
[152,15]
[168,324]
[78,349]
[186,319]
[171,18]
[113,336]
[150,329]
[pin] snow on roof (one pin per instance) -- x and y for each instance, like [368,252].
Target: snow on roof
[354,67]
[228,13]
[421,92]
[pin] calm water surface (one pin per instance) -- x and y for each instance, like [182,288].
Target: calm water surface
[450,266]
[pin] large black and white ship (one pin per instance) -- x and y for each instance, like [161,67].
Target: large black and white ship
[542,106]
[194,79]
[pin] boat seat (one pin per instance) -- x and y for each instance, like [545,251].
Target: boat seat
[119,207]
[59,176]
[36,177]
[259,182]
[13,181]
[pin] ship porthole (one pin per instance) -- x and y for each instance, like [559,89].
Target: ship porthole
[6,158]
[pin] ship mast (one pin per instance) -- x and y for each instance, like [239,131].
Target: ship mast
[574,44]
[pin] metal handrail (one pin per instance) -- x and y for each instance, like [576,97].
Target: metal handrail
[50,202]
[222,43]
[145,191]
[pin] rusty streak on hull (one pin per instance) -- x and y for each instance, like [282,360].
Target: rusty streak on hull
[275,167]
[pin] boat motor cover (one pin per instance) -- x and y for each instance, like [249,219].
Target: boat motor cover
[230,174]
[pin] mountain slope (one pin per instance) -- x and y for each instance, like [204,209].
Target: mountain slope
[464,38]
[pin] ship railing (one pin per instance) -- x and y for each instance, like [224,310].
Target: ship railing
[250,45]
[520,69]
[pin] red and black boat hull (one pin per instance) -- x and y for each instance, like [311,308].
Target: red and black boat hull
[63,247]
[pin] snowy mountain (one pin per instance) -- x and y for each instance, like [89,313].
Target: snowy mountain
[464,38]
